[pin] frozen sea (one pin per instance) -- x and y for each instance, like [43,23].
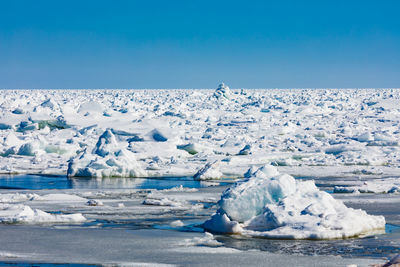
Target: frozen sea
[129,177]
[123,231]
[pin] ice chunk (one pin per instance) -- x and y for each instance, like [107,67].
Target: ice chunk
[365,137]
[24,214]
[177,223]
[119,164]
[25,126]
[48,104]
[107,159]
[246,150]
[29,149]
[94,202]
[162,202]
[190,148]
[193,148]
[105,144]
[158,136]
[222,91]
[220,223]
[207,240]
[5,126]
[209,171]
[248,198]
[18,111]
[268,204]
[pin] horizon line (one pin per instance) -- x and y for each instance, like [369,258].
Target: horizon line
[241,88]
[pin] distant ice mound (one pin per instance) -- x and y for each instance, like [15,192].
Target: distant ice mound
[273,205]
[106,159]
[223,91]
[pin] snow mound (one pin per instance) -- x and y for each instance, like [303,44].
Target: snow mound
[191,148]
[209,171]
[106,144]
[158,136]
[273,205]
[222,92]
[29,149]
[25,214]
[94,202]
[107,159]
[206,240]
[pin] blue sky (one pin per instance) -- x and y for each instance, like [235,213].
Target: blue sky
[197,44]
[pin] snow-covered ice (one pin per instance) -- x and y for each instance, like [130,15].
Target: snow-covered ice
[13,208]
[387,185]
[209,171]
[25,214]
[106,159]
[208,139]
[269,204]
[147,133]
[123,222]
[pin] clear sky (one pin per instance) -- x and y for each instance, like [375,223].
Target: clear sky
[197,44]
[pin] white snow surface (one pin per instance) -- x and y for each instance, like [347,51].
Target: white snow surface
[106,159]
[24,214]
[273,205]
[13,208]
[107,133]
[209,171]
[387,185]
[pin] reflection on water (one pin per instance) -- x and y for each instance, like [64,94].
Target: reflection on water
[36,182]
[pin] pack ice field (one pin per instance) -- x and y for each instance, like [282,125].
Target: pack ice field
[250,173]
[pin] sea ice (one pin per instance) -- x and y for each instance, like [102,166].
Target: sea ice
[106,159]
[208,172]
[163,201]
[387,185]
[222,91]
[20,213]
[301,130]
[273,205]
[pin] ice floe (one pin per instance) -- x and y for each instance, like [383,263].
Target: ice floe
[209,171]
[273,205]
[24,214]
